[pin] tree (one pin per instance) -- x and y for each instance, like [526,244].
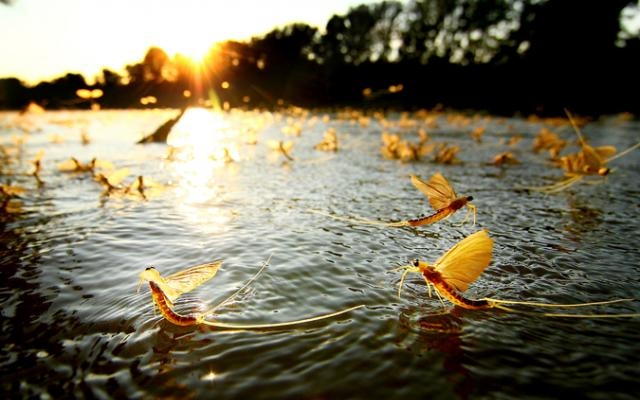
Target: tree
[13,94]
[460,31]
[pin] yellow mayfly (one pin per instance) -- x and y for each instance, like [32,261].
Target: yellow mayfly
[441,196]
[588,161]
[111,181]
[282,147]
[462,264]
[165,290]
[452,273]
[73,165]
[174,285]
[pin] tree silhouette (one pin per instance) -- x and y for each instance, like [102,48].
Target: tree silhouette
[497,55]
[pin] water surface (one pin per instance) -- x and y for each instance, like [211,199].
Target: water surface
[74,325]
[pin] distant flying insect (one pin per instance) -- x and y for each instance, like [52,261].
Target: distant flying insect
[462,264]
[165,290]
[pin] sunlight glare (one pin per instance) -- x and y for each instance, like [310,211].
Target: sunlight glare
[192,45]
[210,376]
[201,130]
[200,139]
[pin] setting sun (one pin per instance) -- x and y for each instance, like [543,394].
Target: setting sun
[87,36]
[195,47]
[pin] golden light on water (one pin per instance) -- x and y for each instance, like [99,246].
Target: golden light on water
[210,376]
[204,145]
[202,141]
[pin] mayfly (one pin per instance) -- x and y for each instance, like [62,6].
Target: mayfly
[144,187]
[37,167]
[111,181]
[462,264]
[8,202]
[165,290]
[589,161]
[505,158]
[73,165]
[329,141]
[283,147]
[441,196]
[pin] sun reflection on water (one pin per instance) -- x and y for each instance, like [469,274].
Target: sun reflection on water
[202,144]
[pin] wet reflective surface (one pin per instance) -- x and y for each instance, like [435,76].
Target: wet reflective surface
[73,324]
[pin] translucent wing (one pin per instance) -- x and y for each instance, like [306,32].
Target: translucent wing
[605,152]
[104,164]
[144,182]
[189,279]
[117,176]
[68,165]
[591,158]
[438,190]
[39,155]
[287,146]
[11,190]
[464,262]
[273,144]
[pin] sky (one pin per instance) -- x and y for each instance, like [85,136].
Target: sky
[44,39]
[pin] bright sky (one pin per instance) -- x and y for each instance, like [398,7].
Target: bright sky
[45,39]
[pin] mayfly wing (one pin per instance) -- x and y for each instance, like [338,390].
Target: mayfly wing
[464,262]
[39,156]
[187,280]
[273,144]
[287,146]
[104,164]
[67,165]
[438,190]
[117,176]
[605,152]
[592,160]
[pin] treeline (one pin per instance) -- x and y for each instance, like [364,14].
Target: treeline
[501,56]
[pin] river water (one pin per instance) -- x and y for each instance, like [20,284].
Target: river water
[73,324]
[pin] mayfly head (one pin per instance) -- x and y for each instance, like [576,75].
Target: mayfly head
[149,274]
[415,266]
